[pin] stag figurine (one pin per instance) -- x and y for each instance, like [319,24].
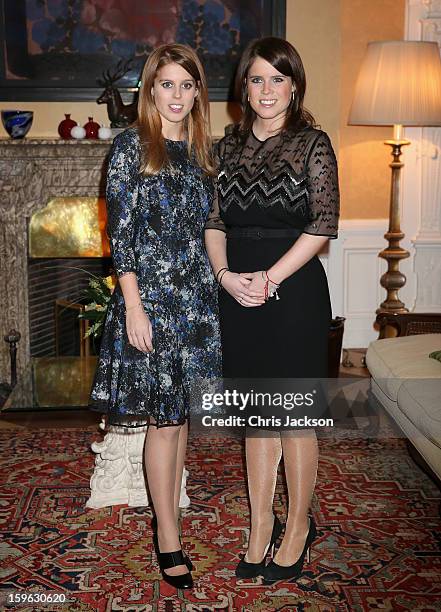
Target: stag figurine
[121,115]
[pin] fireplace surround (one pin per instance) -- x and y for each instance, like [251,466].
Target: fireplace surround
[33,171]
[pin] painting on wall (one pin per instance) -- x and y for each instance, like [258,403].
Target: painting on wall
[56,49]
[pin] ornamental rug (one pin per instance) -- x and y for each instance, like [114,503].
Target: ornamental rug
[378,545]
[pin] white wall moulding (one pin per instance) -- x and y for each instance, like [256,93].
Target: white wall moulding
[428,271]
[354,268]
[430,159]
[432,7]
[421,193]
[431,29]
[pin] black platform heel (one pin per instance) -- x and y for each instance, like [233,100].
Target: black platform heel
[187,560]
[167,560]
[250,570]
[274,572]
[172,559]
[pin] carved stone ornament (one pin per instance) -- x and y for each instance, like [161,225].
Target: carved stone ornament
[118,477]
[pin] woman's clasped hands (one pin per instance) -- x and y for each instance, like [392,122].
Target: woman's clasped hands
[245,287]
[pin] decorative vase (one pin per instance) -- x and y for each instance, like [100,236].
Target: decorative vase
[91,128]
[78,132]
[17,123]
[65,127]
[104,133]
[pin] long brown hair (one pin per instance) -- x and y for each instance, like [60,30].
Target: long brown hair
[197,122]
[286,60]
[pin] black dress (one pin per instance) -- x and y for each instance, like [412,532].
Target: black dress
[287,181]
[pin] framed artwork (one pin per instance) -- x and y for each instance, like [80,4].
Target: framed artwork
[57,49]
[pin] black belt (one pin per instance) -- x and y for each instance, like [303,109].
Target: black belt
[257,232]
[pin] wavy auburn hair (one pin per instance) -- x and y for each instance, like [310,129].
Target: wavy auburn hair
[286,60]
[197,123]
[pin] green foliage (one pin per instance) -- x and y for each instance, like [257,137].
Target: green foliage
[99,292]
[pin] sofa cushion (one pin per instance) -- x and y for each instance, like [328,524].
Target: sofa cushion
[391,360]
[420,401]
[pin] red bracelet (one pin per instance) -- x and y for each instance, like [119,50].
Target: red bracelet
[266,289]
[272,282]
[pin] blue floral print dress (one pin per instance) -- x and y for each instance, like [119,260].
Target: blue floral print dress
[156,225]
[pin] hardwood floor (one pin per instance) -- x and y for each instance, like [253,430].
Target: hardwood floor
[90,420]
[50,419]
[353,362]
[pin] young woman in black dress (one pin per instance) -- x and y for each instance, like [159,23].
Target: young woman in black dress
[162,329]
[277,205]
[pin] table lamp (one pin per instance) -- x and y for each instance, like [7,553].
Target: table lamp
[399,84]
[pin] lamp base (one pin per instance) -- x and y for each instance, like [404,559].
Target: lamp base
[397,307]
[393,280]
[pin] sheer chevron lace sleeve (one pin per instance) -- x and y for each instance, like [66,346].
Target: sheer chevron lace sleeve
[214,220]
[121,199]
[322,180]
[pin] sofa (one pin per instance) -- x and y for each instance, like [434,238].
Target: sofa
[407,382]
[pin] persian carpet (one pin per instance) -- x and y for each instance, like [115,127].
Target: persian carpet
[378,545]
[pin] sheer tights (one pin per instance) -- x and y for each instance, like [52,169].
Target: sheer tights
[300,454]
[164,458]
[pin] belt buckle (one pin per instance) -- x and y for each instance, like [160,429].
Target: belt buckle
[258,235]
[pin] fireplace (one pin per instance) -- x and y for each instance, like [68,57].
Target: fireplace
[68,245]
[56,297]
[36,177]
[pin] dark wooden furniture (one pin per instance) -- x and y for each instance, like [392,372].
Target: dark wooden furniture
[409,323]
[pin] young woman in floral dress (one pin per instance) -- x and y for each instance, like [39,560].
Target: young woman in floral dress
[161,331]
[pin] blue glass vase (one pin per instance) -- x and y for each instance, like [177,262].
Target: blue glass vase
[17,123]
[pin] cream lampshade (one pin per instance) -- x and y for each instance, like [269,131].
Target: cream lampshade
[399,84]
